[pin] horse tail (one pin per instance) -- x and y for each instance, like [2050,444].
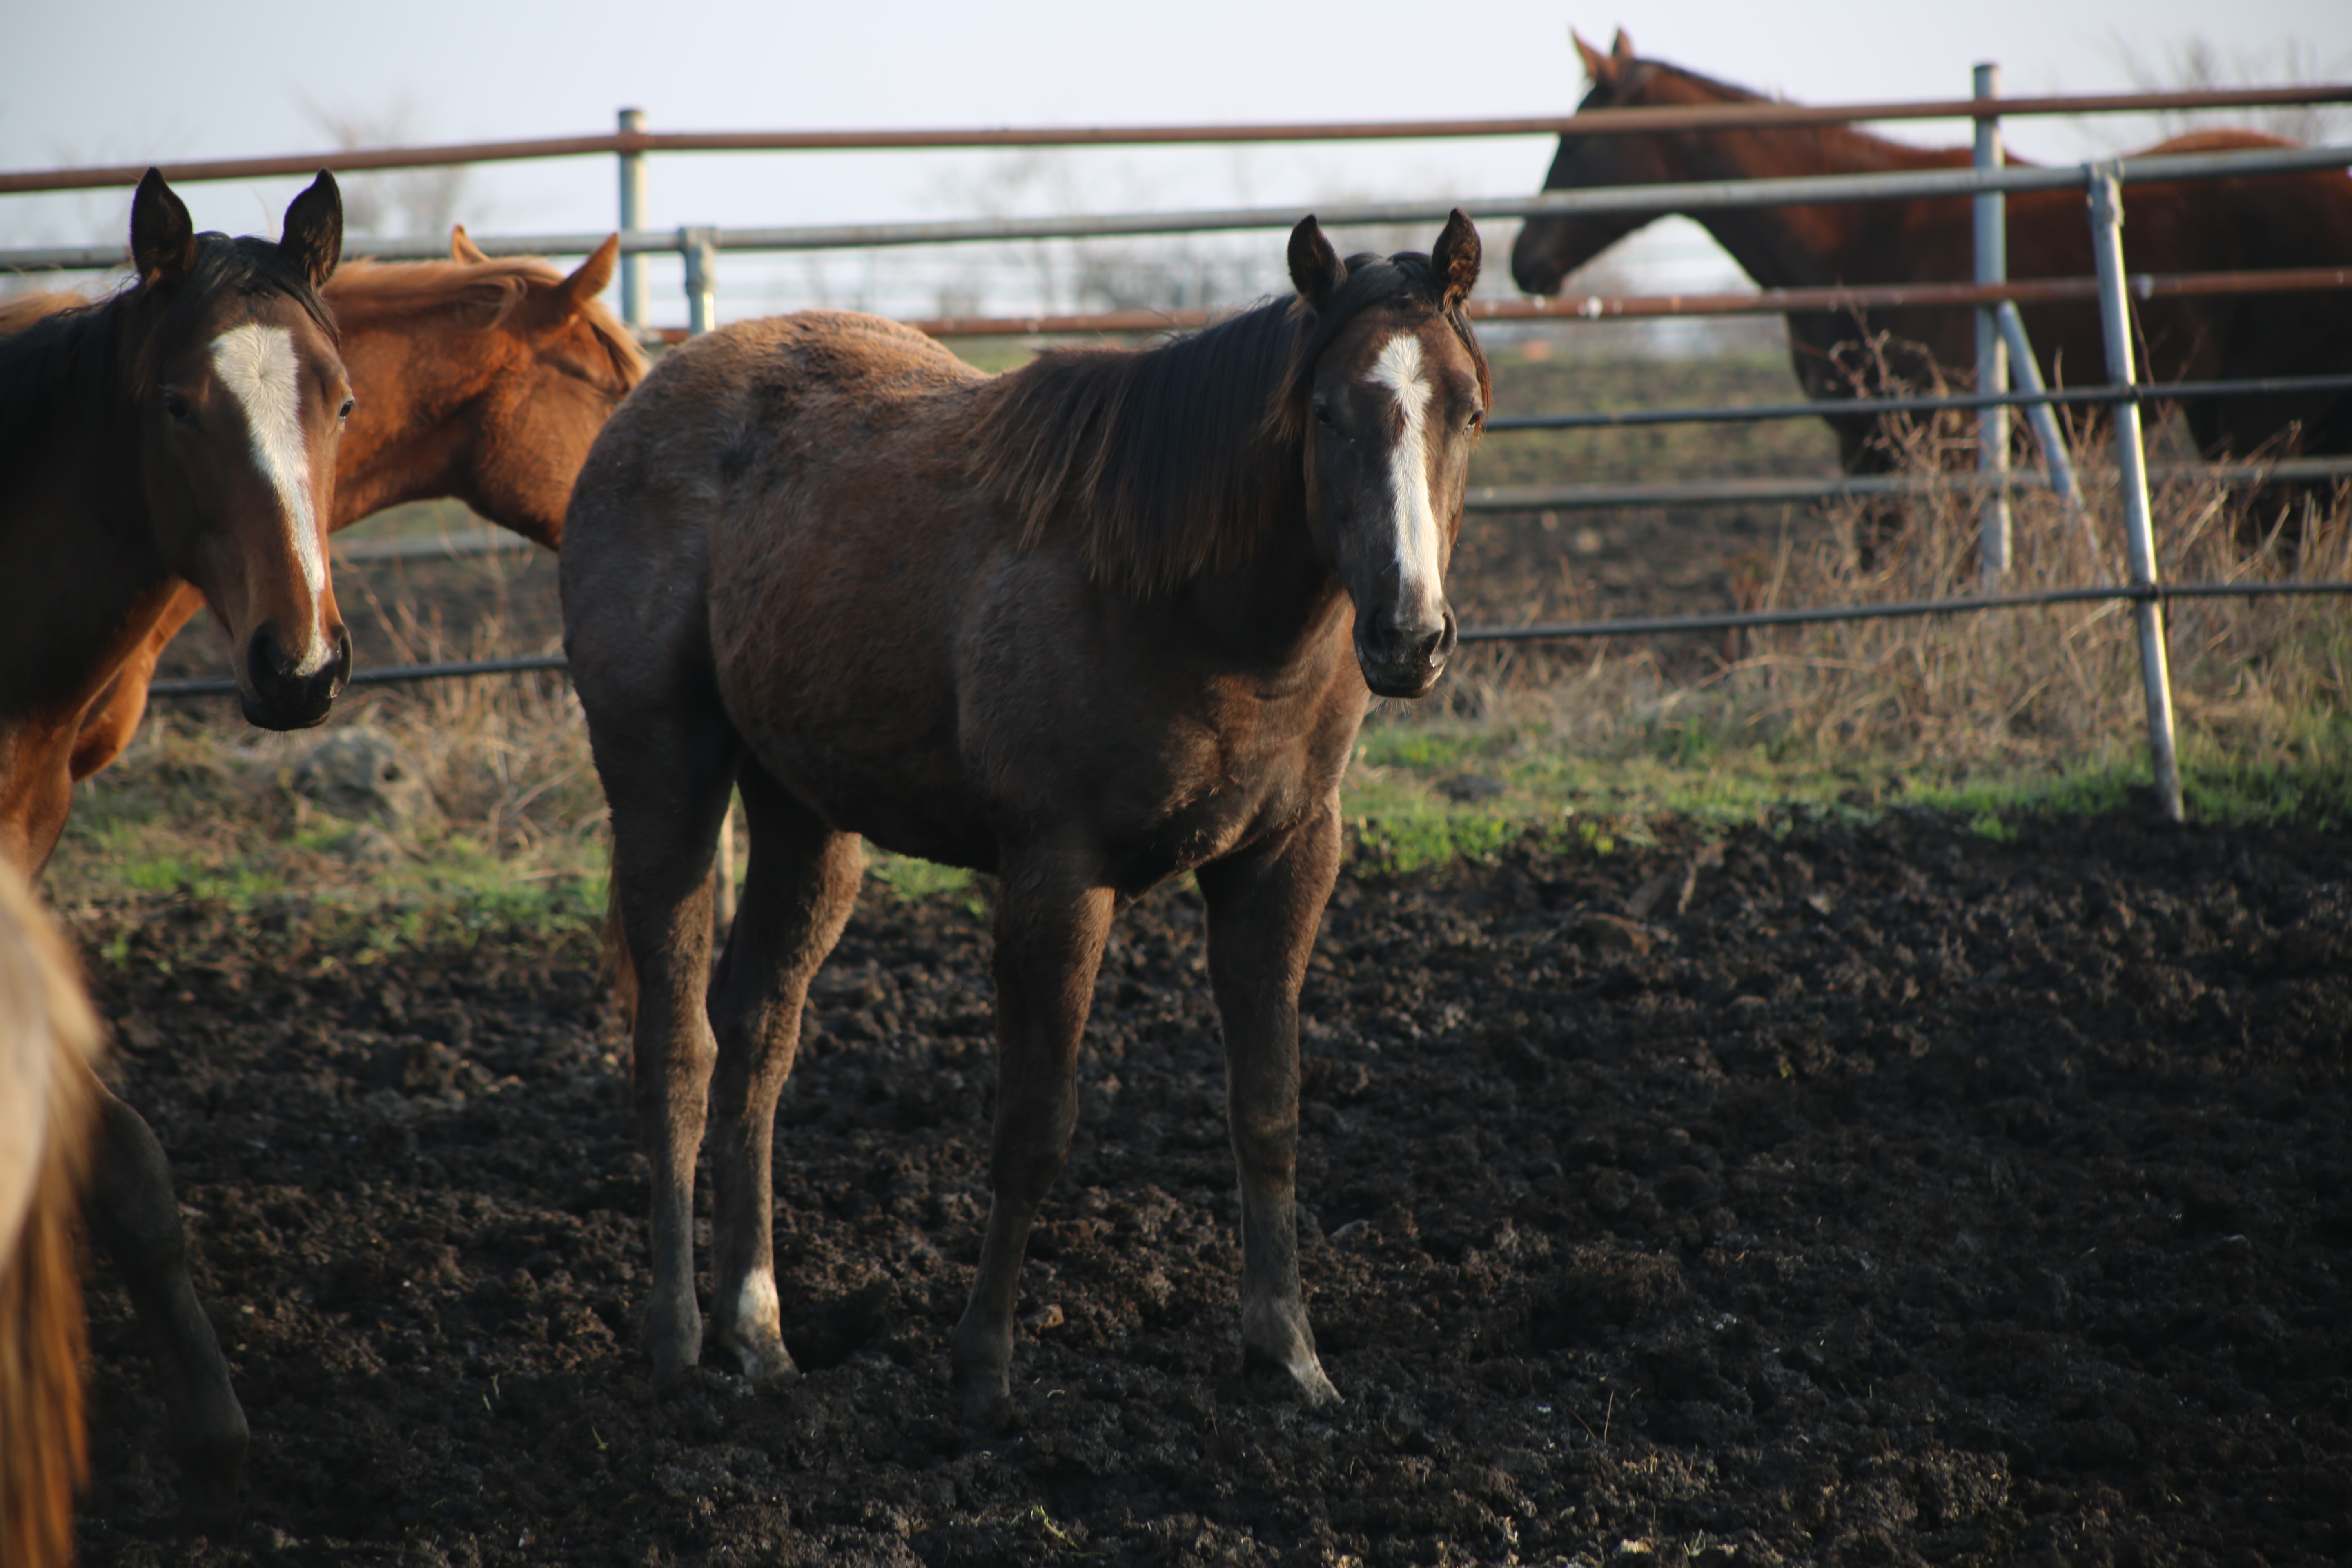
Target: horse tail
[616,966]
[48,1044]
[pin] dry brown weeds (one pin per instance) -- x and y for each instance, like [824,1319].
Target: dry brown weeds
[2265,678]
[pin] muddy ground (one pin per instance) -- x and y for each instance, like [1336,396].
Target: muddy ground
[1909,1196]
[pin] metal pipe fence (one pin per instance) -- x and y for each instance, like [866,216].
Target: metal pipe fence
[2000,331]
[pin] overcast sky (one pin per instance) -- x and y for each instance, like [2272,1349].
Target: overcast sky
[135,80]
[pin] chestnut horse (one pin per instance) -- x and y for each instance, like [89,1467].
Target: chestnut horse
[2203,225]
[48,1044]
[485,380]
[1087,625]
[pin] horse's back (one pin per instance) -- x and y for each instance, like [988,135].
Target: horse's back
[716,484]
[49,1038]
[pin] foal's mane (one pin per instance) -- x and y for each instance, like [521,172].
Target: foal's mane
[378,292]
[1182,459]
[64,363]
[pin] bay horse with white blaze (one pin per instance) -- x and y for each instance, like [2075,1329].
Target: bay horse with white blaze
[1101,620]
[48,1047]
[485,380]
[183,430]
[2192,226]
[478,379]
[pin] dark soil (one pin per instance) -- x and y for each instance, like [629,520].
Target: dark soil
[1911,1197]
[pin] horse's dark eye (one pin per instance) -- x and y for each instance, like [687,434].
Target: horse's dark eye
[1477,417]
[1322,410]
[345,411]
[177,407]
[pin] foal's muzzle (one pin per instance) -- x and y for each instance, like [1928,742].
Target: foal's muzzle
[1403,661]
[276,695]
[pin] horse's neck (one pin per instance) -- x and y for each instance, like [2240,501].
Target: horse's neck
[408,440]
[1783,248]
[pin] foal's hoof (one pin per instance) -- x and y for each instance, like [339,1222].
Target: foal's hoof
[1304,1371]
[211,1483]
[986,1404]
[762,1362]
[1312,1386]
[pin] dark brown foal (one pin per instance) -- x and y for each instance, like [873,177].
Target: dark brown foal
[1096,622]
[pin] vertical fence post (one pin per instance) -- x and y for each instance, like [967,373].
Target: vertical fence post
[701,246]
[633,217]
[2114,318]
[1992,349]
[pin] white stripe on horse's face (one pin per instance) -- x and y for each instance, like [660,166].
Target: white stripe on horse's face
[259,367]
[1421,599]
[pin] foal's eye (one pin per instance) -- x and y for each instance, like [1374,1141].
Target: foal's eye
[1477,417]
[177,407]
[345,411]
[1322,412]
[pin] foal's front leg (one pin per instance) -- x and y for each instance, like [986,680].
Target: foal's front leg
[1049,940]
[1265,905]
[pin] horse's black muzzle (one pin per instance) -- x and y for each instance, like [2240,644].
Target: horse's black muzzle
[1403,661]
[276,695]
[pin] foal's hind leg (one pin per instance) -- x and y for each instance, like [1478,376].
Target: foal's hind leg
[1263,907]
[1049,940]
[135,1221]
[796,896]
[668,767]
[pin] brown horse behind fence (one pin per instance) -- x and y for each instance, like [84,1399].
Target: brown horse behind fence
[48,1042]
[2203,225]
[1088,624]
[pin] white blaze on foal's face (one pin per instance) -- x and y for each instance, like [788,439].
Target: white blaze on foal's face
[1420,599]
[259,367]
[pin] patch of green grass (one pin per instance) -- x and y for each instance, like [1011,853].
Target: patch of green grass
[909,878]
[1421,794]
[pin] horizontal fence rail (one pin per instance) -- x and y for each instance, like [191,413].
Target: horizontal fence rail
[1562,631]
[1824,407]
[1899,609]
[1706,197]
[1635,307]
[1593,122]
[1866,487]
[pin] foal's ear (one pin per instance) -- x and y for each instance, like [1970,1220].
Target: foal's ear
[1621,53]
[162,236]
[312,243]
[1315,267]
[1455,259]
[462,248]
[594,275]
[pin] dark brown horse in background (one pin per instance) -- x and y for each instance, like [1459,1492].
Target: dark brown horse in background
[1088,624]
[479,379]
[2204,225]
[184,430]
[48,1048]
